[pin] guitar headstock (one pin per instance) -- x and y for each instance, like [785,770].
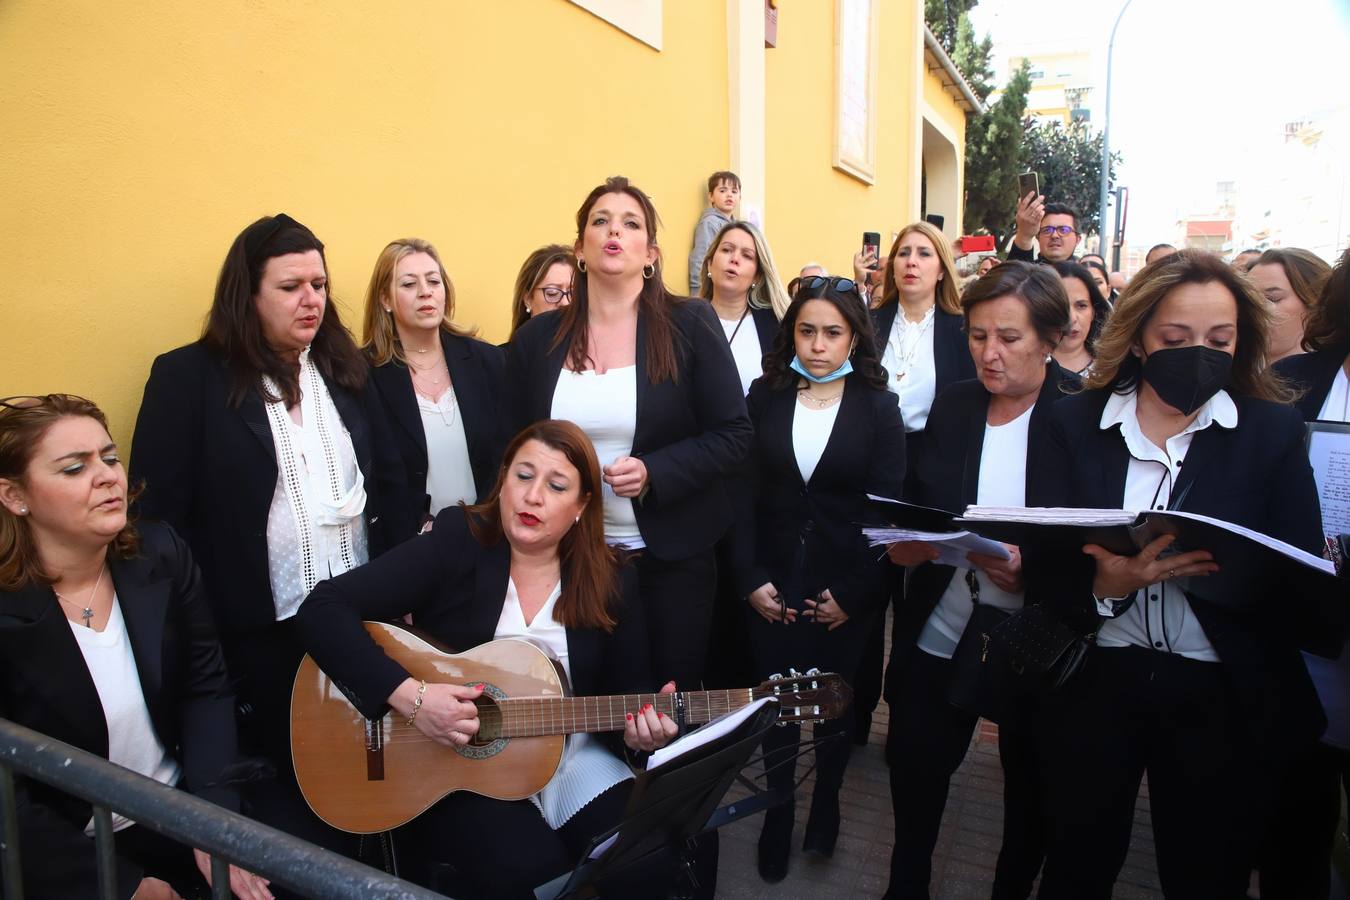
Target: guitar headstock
[802,697]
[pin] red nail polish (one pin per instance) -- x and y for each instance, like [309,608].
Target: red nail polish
[660,715]
[481,686]
[630,717]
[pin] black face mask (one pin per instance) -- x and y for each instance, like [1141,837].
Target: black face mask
[1186,377]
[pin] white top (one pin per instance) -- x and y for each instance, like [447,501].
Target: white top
[132,742]
[1002,482]
[811,430]
[1160,616]
[449,472]
[587,769]
[315,526]
[909,362]
[745,348]
[1336,408]
[605,407]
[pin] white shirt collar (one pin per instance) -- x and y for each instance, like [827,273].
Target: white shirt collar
[1121,410]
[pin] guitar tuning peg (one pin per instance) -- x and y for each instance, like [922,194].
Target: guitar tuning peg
[812,672]
[793,673]
[776,676]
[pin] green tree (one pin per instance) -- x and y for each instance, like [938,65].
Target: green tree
[944,19]
[994,157]
[972,57]
[1068,160]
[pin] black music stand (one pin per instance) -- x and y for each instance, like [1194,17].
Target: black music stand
[669,805]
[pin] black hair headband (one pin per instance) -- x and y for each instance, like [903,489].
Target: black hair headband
[255,242]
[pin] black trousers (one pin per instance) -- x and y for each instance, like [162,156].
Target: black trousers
[262,665]
[927,741]
[1296,858]
[1132,711]
[677,597]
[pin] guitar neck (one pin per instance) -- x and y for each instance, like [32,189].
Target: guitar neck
[535,716]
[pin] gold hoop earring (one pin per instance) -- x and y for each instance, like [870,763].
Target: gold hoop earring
[648,270]
[581,264]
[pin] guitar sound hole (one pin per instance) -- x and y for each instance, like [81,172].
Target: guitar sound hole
[489,721]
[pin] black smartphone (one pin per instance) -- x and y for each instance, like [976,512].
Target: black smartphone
[872,241]
[937,221]
[1028,183]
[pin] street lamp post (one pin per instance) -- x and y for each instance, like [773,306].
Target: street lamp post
[1106,129]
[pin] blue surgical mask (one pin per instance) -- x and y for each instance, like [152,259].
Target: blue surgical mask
[796,366]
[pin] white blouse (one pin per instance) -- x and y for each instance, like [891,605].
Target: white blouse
[587,769]
[315,526]
[811,429]
[132,742]
[449,471]
[1336,408]
[605,407]
[1002,482]
[911,366]
[1160,617]
[745,349]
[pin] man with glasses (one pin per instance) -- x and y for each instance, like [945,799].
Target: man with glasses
[1053,226]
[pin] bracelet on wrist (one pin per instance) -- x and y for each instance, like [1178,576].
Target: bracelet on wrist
[417,702]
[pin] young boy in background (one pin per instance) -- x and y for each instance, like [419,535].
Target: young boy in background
[724,193]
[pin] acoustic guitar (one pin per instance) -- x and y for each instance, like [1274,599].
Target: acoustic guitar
[363,776]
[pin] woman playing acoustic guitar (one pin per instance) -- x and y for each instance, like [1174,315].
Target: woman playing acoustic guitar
[530,562]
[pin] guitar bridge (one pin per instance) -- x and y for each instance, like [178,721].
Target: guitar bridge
[375,749]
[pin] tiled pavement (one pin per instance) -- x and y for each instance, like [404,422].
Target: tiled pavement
[963,864]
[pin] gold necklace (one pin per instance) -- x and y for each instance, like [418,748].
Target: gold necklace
[820,402]
[422,371]
[86,611]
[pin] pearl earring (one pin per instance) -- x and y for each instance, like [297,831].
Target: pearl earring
[576,520]
[23,510]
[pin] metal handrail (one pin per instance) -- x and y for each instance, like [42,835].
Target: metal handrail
[227,836]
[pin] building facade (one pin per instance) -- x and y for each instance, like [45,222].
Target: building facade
[141,139]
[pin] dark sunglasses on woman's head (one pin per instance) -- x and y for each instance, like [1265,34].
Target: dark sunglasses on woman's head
[838,282]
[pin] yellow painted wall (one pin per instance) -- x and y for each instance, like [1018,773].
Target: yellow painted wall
[814,211]
[941,103]
[136,140]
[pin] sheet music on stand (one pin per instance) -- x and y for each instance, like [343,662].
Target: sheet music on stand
[930,526]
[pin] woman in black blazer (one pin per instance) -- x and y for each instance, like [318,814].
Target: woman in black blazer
[218,447]
[1195,677]
[86,599]
[919,341]
[528,560]
[434,378]
[1296,861]
[741,283]
[827,433]
[981,434]
[651,380]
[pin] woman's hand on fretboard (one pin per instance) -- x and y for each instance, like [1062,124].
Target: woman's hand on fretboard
[647,729]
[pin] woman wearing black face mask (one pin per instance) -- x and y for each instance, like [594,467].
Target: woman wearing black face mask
[1195,678]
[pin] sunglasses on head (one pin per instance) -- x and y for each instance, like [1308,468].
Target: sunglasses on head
[837,282]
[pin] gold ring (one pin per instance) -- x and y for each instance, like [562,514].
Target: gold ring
[1171,573]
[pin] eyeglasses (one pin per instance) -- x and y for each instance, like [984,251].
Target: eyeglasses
[554,295]
[1061,230]
[837,282]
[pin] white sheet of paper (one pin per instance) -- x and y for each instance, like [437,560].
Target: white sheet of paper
[952,546]
[1329,453]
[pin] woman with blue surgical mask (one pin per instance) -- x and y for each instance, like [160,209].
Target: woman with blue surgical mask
[827,433]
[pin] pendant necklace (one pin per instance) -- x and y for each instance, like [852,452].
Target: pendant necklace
[86,611]
[907,358]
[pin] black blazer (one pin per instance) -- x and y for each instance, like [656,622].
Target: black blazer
[766,327]
[1314,373]
[210,471]
[45,685]
[804,536]
[951,352]
[1256,475]
[947,476]
[691,433]
[476,373]
[455,588]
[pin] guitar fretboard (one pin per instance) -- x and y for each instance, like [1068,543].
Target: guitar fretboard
[535,716]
